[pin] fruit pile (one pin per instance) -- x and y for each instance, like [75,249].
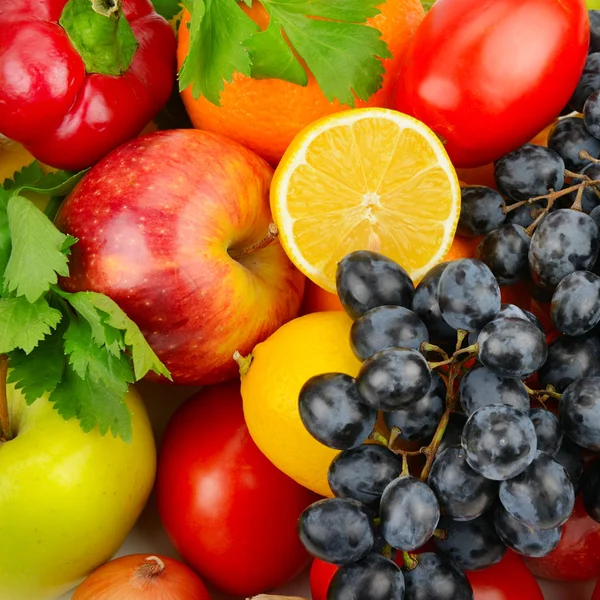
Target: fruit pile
[359,242]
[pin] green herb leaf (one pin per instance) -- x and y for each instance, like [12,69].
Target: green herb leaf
[5,241]
[24,324]
[218,29]
[33,179]
[427,4]
[167,8]
[40,371]
[37,255]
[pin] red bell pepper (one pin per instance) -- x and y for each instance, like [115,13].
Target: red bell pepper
[80,77]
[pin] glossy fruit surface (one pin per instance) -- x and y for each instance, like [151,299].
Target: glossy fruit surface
[48,472]
[216,501]
[265,115]
[494,83]
[281,365]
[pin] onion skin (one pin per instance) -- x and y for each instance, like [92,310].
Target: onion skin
[142,577]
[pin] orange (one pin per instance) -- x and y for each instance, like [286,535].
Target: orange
[365,179]
[316,299]
[265,115]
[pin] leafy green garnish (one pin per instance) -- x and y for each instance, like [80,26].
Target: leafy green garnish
[80,348]
[167,8]
[341,51]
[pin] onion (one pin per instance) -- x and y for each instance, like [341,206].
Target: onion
[141,577]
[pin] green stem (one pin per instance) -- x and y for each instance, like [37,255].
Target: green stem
[243,362]
[410,561]
[101,35]
[379,438]
[5,428]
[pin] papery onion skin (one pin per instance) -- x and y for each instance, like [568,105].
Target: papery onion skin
[142,577]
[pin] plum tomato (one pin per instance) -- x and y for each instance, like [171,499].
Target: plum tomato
[487,76]
[228,511]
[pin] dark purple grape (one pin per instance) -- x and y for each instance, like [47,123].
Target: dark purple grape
[526,214]
[481,211]
[363,473]
[590,492]
[548,430]
[462,493]
[436,577]
[588,83]
[419,420]
[372,578]
[333,411]
[591,114]
[426,305]
[366,279]
[512,347]
[506,252]
[499,442]
[568,138]
[529,172]
[525,540]
[337,530]
[542,496]
[385,327]
[511,310]
[534,319]
[409,513]
[590,199]
[594,31]
[471,545]
[570,456]
[453,434]
[482,387]
[393,379]
[569,359]
[595,214]
[565,241]
[468,294]
[575,307]
[579,412]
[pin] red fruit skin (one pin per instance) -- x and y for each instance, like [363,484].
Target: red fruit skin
[596,592]
[577,556]
[156,221]
[507,580]
[488,76]
[229,512]
[65,117]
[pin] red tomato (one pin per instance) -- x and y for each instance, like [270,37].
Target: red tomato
[596,594]
[487,76]
[577,556]
[508,580]
[229,512]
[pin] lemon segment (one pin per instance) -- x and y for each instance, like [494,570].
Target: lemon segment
[372,179]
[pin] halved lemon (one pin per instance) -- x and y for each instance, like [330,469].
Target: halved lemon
[365,179]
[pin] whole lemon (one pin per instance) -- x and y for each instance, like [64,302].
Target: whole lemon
[272,377]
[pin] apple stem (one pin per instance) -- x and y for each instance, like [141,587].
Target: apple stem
[243,362]
[271,236]
[151,568]
[5,428]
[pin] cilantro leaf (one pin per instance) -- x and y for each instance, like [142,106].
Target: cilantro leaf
[218,29]
[33,179]
[5,242]
[29,174]
[167,8]
[40,371]
[343,54]
[24,324]
[37,255]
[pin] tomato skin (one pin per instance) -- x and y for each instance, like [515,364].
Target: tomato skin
[488,76]
[508,580]
[577,556]
[228,511]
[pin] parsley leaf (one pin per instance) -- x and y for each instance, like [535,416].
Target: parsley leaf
[5,242]
[24,324]
[218,29]
[31,178]
[167,8]
[37,255]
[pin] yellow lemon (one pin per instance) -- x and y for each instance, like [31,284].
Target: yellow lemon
[365,179]
[278,368]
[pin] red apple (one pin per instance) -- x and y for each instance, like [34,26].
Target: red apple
[172,227]
[577,556]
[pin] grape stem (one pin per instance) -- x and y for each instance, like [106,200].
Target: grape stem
[5,429]
[470,350]
[410,561]
[548,392]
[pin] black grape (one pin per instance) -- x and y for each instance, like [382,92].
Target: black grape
[480,211]
[590,492]
[579,412]
[588,83]
[568,138]
[548,430]
[575,307]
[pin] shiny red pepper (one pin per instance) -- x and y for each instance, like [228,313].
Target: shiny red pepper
[76,81]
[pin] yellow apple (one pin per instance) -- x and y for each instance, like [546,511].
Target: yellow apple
[68,499]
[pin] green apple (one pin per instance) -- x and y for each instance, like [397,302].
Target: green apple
[68,499]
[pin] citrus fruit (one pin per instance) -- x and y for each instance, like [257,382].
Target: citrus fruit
[307,346]
[316,299]
[365,179]
[266,114]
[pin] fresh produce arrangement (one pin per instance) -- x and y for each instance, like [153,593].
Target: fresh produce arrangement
[351,248]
